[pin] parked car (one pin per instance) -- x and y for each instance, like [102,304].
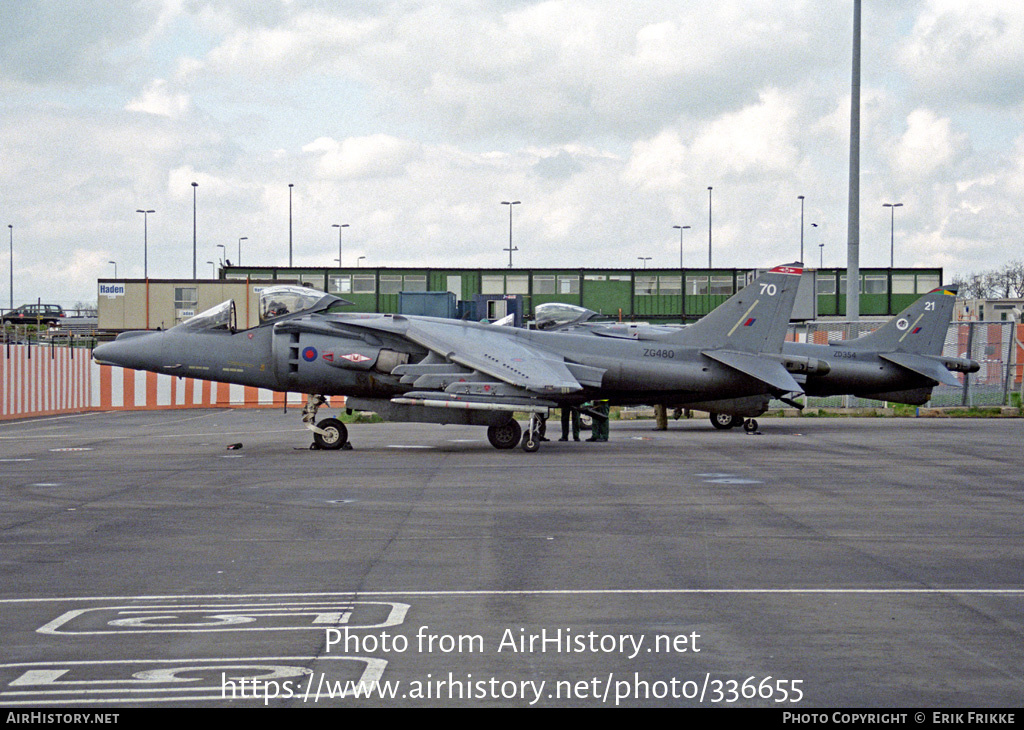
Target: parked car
[34,314]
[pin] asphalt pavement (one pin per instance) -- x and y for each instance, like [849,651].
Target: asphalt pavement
[819,563]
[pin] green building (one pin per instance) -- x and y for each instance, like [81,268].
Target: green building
[652,295]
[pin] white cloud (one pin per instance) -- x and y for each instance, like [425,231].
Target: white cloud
[378,155]
[968,51]
[157,99]
[928,145]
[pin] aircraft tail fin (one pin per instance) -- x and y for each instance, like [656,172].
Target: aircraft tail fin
[919,329]
[753,319]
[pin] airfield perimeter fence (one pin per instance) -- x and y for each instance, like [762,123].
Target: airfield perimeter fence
[997,346]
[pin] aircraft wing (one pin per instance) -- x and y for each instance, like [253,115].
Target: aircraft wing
[922,365]
[491,351]
[767,371]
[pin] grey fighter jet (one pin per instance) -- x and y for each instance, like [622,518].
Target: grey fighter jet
[900,362]
[411,368]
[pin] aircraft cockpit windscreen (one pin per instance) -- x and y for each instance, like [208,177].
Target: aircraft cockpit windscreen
[220,318]
[555,315]
[278,301]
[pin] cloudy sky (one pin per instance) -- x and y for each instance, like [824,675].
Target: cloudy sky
[412,120]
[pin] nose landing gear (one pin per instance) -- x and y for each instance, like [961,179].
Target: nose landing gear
[330,433]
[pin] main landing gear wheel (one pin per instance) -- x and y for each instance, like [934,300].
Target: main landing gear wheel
[505,436]
[725,420]
[331,434]
[750,425]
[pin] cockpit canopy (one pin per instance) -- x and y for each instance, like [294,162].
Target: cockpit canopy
[555,315]
[218,318]
[275,302]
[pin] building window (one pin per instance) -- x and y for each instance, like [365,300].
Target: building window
[339,284]
[492,284]
[902,283]
[517,284]
[927,282]
[696,285]
[390,283]
[363,284]
[543,285]
[185,297]
[670,285]
[721,285]
[645,285]
[827,283]
[415,283]
[569,284]
[875,284]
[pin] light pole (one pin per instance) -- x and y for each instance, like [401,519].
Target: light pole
[11,226]
[213,269]
[243,238]
[145,241]
[645,259]
[821,247]
[194,186]
[510,249]
[709,226]
[339,226]
[359,261]
[290,186]
[681,229]
[801,199]
[892,228]
[115,267]
[223,253]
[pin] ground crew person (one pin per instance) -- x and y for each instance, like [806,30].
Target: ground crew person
[573,415]
[600,428]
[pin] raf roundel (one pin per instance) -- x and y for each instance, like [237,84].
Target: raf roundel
[309,354]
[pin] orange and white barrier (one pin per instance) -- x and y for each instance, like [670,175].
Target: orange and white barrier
[38,380]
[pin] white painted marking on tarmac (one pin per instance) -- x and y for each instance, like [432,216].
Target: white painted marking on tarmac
[202,618]
[547,592]
[8,460]
[408,446]
[73,448]
[47,419]
[170,680]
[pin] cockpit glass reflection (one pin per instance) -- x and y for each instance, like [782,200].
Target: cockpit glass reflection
[555,315]
[214,319]
[278,301]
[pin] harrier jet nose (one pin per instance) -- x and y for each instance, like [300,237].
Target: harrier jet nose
[137,350]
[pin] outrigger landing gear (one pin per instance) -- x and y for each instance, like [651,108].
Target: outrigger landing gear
[330,433]
[532,437]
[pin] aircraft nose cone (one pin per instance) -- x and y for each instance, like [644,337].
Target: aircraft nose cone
[138,350]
